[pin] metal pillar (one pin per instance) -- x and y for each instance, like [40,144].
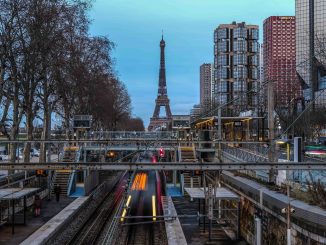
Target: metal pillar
[219,120]
[191,186]
[204,215]
[298,154]
[24,210]
[13,217]
[210,209]
[271,136]
[174,177]
[288,217]
[257,231]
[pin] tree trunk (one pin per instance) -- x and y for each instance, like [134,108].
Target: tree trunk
[29,129]
[46,122]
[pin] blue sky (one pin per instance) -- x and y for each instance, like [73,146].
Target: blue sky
[135,27]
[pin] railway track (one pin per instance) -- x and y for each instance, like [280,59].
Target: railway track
[141,235]
[92,229]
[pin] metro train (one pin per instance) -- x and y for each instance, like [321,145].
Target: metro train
[311,218]
[144,198]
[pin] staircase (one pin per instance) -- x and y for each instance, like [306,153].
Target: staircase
[62,179]
[187,154]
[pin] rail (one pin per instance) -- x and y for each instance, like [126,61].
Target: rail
[166,166]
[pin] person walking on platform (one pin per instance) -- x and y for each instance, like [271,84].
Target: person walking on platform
[37,205]
[57,192]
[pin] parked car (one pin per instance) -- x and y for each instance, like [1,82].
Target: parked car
[4,157]
[35,152]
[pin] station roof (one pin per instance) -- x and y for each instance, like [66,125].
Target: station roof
[16,193]
[224,119]
[221,193]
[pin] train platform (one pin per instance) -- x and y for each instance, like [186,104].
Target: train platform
[173,228]
[48,210]
[49,229]
[195,231]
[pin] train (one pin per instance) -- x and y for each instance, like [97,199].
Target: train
[310,218]
[315,150]
[144,197]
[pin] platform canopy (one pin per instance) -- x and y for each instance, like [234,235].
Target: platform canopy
[221,193]
[16,193]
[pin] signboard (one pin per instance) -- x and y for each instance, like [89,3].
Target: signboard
[237,123]
[82,121]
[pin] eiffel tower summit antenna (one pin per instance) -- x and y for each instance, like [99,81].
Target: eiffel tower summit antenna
[162,99]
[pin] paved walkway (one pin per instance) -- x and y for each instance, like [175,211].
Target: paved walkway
[49,209]
[195,234]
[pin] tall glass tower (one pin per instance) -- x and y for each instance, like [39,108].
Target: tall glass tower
[311,47]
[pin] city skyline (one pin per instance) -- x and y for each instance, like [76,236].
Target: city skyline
[188,31]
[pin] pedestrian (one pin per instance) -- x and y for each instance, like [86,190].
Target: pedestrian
[57,192]
[37,205]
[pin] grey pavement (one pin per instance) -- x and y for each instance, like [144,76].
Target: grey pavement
[48,210]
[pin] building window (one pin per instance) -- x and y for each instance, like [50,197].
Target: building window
[240,32]
[240,59]
[253,34]
[222,73]
[223,87]
[222,46]
[222,33]
[253,46]
[254,73]
[240,46]
[239,86]
[240,72]
[253,60]
[223,98]
[222,60]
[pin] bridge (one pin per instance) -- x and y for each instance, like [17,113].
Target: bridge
[211,166]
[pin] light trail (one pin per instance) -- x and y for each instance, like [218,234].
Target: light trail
[140,182]
[154,207]
[124,212]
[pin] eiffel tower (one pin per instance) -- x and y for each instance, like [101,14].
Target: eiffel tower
[162,99]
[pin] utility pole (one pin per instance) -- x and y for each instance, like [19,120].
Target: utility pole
[219,133]
[288,216]
[210,209]
[271,126]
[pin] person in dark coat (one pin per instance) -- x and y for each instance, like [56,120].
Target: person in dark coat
[57,192]
[37,205]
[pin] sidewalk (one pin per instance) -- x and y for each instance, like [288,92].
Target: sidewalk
[49,209]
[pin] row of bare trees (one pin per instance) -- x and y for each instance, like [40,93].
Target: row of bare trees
[49,64]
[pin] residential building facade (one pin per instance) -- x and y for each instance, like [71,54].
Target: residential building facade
[195,113]
[206,88]
[279,59]
[236,63]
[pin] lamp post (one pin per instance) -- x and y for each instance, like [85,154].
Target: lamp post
[288,210]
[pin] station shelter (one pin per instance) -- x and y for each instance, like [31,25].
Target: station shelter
[238,128]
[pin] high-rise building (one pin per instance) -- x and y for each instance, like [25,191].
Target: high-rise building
[195,113]
[236,63]
[206,87]
[311,48]
[279,59]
